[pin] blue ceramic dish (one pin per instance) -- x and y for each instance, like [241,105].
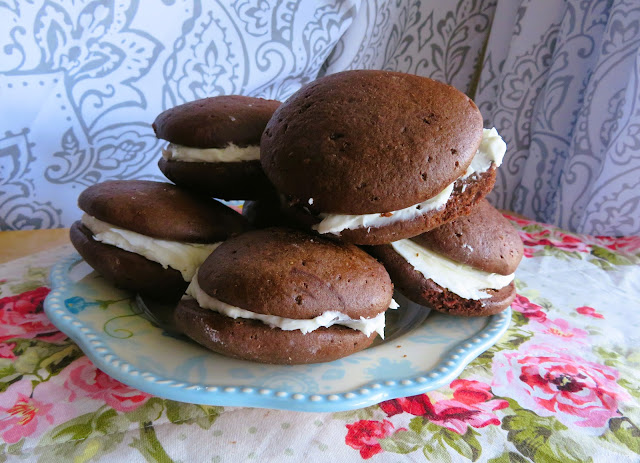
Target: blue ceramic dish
[106,323]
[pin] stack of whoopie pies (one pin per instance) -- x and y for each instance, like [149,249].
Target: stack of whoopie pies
[397,163]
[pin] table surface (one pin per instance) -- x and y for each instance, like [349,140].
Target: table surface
[563,384]
[15,244]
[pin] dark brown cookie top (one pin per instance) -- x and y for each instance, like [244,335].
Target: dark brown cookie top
[216,121]
[292,274]
[161,210]
[364,141]
[484,239]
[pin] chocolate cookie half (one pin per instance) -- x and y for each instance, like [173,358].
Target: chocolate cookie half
[465,267]
[377,156]
[286,297]
[214,145]
[148,236]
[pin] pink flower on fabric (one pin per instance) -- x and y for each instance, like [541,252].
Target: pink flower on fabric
[85,380]
[529,309]
[589,312]
[22,316]
[363,435]
[6,351]
[559,330]
[30,412]
[472,405]
[552,383]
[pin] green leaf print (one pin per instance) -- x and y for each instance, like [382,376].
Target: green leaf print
[402,442]
[511,340]
[150,411]
[83,437]
[39,358]
[437,440]
[183,413]
[149,446]
[609,256]
[622,430]
[509,457]
[33,278]
[8,373]
[558,253]
[532,435]
[368,413]
[10,449]
[533,228]
[466,445]
[626,361]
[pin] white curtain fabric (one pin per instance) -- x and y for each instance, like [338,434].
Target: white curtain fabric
[81,81]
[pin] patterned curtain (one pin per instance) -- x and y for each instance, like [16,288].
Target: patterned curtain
[561,82]
[441,40]
[81,81]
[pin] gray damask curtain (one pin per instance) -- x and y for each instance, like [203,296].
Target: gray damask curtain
[81,81]
[561,82]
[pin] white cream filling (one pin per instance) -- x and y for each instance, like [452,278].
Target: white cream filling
[492,149]
[335,223]
[184,257]
[230,153]
[327,319]
[461,279]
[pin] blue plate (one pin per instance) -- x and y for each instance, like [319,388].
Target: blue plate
[107,325]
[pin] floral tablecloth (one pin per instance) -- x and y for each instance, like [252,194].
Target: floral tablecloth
[563,384]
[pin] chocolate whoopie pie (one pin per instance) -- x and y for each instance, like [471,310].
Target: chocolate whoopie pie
[464,267]
[214,145]
[150,237]
[378,156]
[283,296]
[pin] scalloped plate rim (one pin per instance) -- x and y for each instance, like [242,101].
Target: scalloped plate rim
[260,397]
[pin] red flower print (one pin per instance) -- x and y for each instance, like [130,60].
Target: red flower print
[528,309]
[363,435]
[560,240]
[518,220]
[472,405]
[418,405]
[574,390]
[22,316]
[470,392]
[628,244]
[87,380]
[589,312]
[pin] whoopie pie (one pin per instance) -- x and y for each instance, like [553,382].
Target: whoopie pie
[377,156]
[284,296]
[464,267]
[214,145]
[150,237]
